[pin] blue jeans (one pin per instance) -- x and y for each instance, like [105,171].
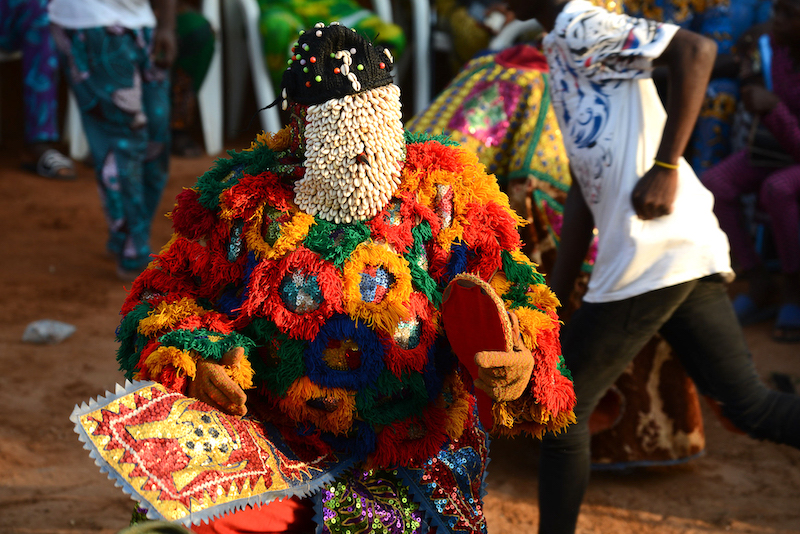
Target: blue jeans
[599,342]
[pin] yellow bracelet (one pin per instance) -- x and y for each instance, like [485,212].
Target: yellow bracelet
[665,165]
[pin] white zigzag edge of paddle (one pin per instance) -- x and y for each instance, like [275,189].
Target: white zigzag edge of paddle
[193,518]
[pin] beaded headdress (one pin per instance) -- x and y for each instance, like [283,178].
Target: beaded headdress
[330,62]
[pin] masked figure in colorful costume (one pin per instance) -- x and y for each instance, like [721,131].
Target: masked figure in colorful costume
[303,286]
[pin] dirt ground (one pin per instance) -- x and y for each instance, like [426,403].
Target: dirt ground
[54,266]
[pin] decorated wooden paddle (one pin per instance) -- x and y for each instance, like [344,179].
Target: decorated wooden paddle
[475,320]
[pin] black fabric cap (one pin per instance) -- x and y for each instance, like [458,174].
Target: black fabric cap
[315,73]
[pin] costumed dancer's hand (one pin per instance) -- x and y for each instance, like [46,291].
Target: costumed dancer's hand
[654,193]
[758,99]
[504,376]
[213,386]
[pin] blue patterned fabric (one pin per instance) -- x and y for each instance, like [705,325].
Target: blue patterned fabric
[25,26]
[124,103]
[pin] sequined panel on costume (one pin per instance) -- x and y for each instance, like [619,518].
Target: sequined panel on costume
[369,501]
[422,259]
[444,204]
[450,485]
[235,241]
[375,283]
[408,334]
[393,216]
[300,292]
[272,223]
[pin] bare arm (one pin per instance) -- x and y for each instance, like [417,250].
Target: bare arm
[576,236]
[689,59]
[165,42]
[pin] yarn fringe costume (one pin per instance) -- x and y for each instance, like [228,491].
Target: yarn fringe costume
[340,321]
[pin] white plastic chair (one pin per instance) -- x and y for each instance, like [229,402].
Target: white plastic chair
[73,130]
[239,43]
[421,35]
[209,98]
[383,8]
[244,39]
[421,46]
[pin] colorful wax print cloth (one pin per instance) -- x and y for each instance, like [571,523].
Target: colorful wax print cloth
[499,107]
[340,323]
[651,416]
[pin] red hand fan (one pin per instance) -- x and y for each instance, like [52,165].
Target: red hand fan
[475,320]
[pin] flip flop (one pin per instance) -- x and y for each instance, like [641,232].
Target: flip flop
[748,313]
[53,164]
[787,325]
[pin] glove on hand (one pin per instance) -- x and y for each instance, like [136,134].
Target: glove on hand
[504,376]
[212,385]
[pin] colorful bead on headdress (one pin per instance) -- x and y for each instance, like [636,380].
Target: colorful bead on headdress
[331,62]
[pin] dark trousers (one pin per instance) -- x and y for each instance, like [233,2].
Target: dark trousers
[600,341]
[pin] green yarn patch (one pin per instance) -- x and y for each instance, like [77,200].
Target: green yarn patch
[392,399]
[131,344]
[335,242]
[210,345]
[422,137]
[277,359]
[227,172]
[521,276]
[224,174]
[417,263]
[562,368]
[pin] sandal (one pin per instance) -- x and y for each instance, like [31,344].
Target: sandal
[748,313]
[53,164]
[787,325]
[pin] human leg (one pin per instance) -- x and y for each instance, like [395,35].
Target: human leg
[709,342]
[780,197]
[598,344]
[728,181]
[25,26]
[103,71]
